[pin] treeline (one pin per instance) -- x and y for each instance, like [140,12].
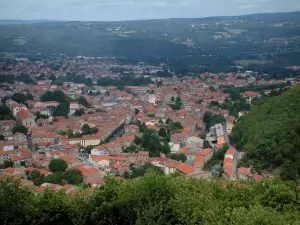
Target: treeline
[154,199]
[11,79]
[270,135]
[235,92]
[125,80]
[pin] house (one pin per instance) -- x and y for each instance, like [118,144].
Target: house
[29,170]
[86,140]
[170,166]
[249,95]
[73,107]
[25,117]
[199,161]
[91,175]
[4,156]
[131,130]
[6,127]
[24,158]
[229,174]
[185,169]
[230,154]
[18,171]
[15,108]
[216,135]
[19,137]
[194,143]
[44,82]
[70,160]
[207,153]
[68,84]
[100,161]
[246,174]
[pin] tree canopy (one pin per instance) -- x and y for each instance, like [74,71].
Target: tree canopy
[270,134]
[211,119]
[82,100]
[58,165]
[73,176]
[21,98]
[5,113]
[19,128]
[155,199]
[57,95]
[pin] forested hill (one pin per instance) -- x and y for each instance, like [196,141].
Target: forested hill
[261,40]
[155,199]
[270,134]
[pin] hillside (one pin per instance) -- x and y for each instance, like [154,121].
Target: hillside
[155,199]
[270,134]
[259,41]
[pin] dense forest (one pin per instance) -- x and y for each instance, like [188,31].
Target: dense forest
[270,135]
[155,199]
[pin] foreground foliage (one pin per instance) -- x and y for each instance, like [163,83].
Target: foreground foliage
[270,134]
[155,199]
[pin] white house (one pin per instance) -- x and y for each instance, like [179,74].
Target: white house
[99,161]
[73,107]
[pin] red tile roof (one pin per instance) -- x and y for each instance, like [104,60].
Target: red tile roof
[205,151]
[172,164]
[23,114]
[244,171]
[250,94]
[185,168]
[230,151]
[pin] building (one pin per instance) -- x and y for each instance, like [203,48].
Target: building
[194,143]
[6,127]
[26,118]
[73,107]
[132,130]
[15,108]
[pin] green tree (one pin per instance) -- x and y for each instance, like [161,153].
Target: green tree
[58,165]
[19,128]
[162,132]
[57,95]
[79,112]
[6,164]
[38,116]
[62,109]
[82,100]
[15,203]
[5,113]
[179,157]
[37,178]
[166,148]
[55,178]
[131,148]
[86,129]
[73,176]
[270,135]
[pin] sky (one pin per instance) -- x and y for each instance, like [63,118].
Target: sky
[107,10]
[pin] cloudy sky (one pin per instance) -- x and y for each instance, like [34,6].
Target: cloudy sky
[137,9]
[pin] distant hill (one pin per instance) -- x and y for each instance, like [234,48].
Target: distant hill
[263,42]
[10,22]
[270,134]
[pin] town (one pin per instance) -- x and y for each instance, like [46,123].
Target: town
[74,121]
